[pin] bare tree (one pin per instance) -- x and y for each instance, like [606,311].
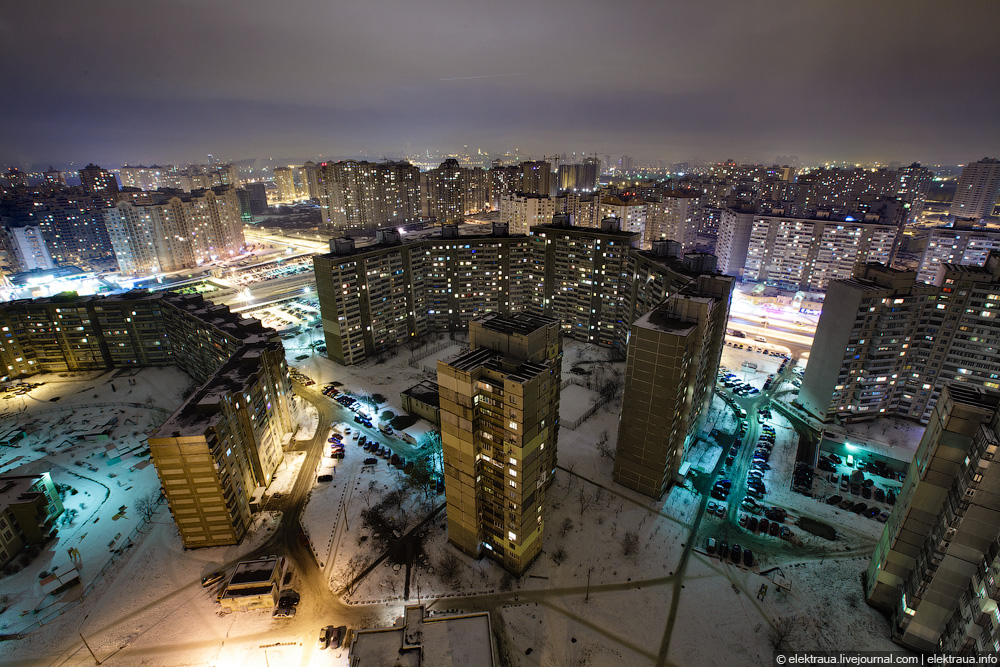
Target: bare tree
[567,525]
[780,632]
[350,572]
[147,505]
[558,556]
[585,500]
[603,447]
[366,493]
[630,543]
[449,568]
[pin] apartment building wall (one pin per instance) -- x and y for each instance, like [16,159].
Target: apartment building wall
[952,245]
[944,522]
[673,356]
[499,407]
[807,253]
[222,446]
[893,342]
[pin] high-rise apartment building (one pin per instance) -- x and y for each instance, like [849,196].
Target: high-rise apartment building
[595,281]
[935,567]
[631,211]
[891,342]
[807,253]
[735,225]
[258,198]
[499,406]
[583,210]
[70,222]
[958,244]
[536,178]
[145,178]
[218,450]
[361,196]
[584,279]
[174,230]
[284,181]
[521,211]
[978,190]
[309,182]
[453,191]
[579,177]
[673,215]
[673,357]
[26,247]
[376,298]
[99,181]
[503,181]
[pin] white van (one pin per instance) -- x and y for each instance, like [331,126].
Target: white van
[760,339]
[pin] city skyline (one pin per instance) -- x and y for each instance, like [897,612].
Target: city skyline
[833,82]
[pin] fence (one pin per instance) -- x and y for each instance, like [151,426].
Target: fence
[115,555]
[598,404]
[427,351]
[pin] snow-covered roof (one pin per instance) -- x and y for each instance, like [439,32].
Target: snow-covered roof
[443,641]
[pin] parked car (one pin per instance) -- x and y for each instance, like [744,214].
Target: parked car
[284,612]
[370,461]
[325,478]
[735,553]
[775,514]
[763,525]
[833,500]
[871,512]
[748,558]
[786,533]
[752,524]
[337,637]
[720,510]
[859,508]
[324,636]
[845,504]
[711,507]
[883,517]
[289,598]
[710,545]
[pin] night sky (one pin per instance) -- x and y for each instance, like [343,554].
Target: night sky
[169,82]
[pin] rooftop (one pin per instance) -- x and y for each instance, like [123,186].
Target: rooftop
[443,641]
[201,409]
[257,571]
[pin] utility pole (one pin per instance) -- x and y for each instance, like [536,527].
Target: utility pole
[587,599]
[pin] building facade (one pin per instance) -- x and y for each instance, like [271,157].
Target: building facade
[673,357]
[29,507]
[521,211]
[934,568]
[172,230]
[893,342]
[361,196]
[959,244]
[499,409]
[807,253]
[595,281]
[978,190]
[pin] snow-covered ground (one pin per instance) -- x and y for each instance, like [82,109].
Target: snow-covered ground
[622,548]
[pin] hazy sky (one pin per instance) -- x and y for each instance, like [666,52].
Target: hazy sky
[163,81]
